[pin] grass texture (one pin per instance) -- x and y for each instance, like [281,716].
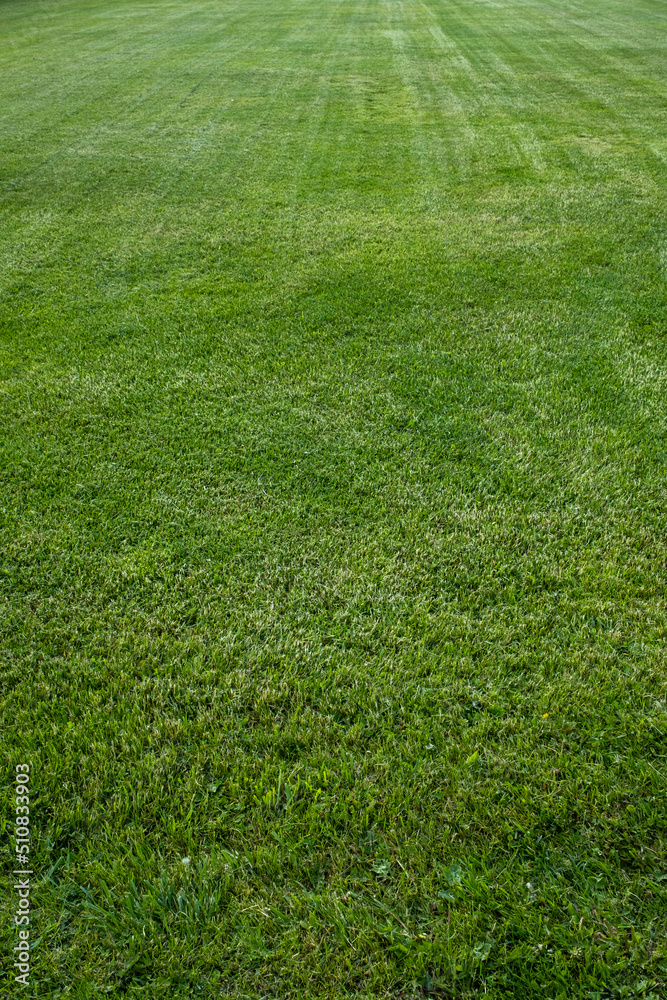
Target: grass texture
[334,528]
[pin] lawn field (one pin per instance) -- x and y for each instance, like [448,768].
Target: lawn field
[333,398]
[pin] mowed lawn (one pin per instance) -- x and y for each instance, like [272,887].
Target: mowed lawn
[334,523]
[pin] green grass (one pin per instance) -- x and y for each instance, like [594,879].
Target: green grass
[334,524]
